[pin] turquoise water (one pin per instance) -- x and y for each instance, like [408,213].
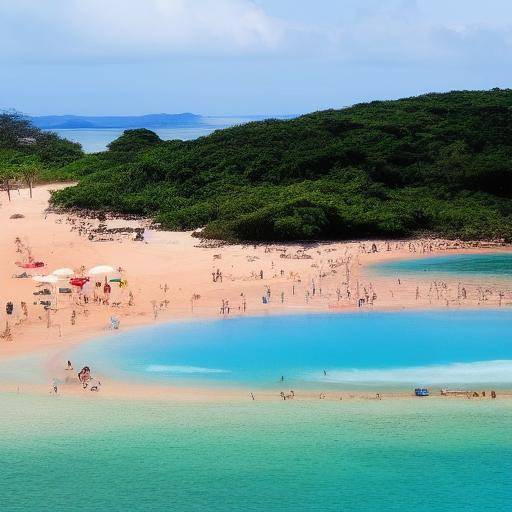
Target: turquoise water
[498,265]
[404,349]
[89,453]
[61,454]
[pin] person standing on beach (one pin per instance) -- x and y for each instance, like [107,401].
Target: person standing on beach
[106,291]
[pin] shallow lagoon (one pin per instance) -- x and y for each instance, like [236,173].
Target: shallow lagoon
[385,350]
[463,265]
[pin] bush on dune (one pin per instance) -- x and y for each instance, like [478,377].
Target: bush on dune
[438,163]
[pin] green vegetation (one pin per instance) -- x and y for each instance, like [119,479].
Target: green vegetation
[438,163]
[29,154]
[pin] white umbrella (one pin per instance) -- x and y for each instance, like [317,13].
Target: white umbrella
[51,279]
[100,269]
[64,272]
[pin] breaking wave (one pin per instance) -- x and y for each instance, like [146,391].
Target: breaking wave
[499,372]
[182,370]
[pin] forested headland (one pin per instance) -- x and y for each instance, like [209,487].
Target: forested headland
[437,164]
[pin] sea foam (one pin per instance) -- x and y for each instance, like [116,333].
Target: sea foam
[177,369]
[498,372]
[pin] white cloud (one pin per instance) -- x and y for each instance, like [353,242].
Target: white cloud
[361,31]
[130,29]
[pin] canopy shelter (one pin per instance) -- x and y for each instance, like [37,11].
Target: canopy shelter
[101,270]
[64,272]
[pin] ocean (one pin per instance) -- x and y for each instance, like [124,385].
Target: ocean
[60,453]
[97,139]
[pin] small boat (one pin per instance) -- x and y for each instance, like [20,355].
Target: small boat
[421,392]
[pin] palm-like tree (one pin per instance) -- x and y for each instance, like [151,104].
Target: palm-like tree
[29,173]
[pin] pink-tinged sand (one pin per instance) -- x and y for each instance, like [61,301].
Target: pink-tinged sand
[181,262]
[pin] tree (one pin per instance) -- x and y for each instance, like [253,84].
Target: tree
[7,175]
[29,171]
[16,130]
[134,140]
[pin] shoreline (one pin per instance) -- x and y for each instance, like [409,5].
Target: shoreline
[294,269]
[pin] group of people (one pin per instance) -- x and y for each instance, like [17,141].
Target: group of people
[84,376]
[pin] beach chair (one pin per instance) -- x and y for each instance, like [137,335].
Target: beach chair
[114,323]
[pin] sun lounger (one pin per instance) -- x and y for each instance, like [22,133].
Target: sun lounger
[454,392]
[45,291]
[114,323]
[33,264]
[23,275]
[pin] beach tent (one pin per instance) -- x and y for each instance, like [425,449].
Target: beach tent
[63,272]
[101,269]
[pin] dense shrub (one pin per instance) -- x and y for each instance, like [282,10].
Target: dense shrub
[438,163]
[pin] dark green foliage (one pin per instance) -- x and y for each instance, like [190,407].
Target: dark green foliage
[438,163]
[132,141]
[21,142]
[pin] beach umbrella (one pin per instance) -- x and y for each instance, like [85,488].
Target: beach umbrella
[51,279]
[100,269]
[63,272]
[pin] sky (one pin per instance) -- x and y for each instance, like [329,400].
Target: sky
[240,57]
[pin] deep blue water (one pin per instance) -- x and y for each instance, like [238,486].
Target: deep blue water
[498,264]
[390,349]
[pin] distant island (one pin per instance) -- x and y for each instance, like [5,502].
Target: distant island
[437,164]
[104,122]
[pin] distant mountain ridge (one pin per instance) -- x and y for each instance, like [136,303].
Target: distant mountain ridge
[98,122]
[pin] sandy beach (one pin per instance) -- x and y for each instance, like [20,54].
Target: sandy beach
[174,276]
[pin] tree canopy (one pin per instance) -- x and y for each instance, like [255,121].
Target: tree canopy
[21,142]
[437,163]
